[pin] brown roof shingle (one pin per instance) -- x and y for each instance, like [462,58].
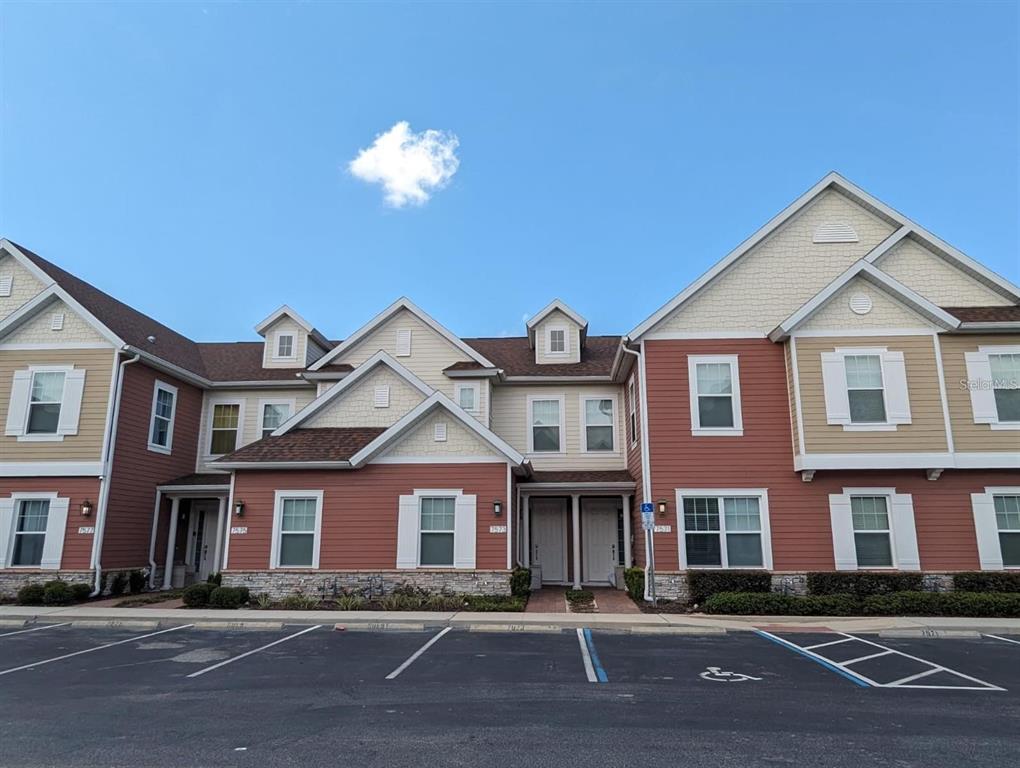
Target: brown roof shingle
[301,445]
[516,357]
[241,361]
[588,476]
[203,478]
[1005,314]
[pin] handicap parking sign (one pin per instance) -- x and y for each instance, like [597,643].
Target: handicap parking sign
[647,516]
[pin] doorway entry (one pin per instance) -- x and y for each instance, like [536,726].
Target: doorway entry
[600,540]
[549,539]
[202,534]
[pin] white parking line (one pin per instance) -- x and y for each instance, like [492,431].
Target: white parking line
[589,668]
[256,650]
[995,637]
[831,642]
[35,629]
[90,650]
[414,656]
[865,658]
[937,668]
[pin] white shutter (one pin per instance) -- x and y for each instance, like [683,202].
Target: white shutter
[987,530]
[382,397]
[70,408]
[407,532]
[6,528]
[403,342]
[465,532]
[904,532]
[982,396]
[897,399]
[837,402]
[56,526]
[843,548]
[17,408]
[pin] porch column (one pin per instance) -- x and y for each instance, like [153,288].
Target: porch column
[576,518]
[168,568]
[627,562]
[218,551]
[526,530]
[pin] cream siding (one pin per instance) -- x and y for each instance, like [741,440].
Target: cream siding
[886,312]
[925,434]
[39,330]
[24,285]
[782,273]
[460,441]
[285,325]
[557,319]
[356,406]
[968,436]
[87,445]
[510,420]
[935,278]
[791,391]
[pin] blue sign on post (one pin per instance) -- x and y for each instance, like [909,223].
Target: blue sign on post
[647,516]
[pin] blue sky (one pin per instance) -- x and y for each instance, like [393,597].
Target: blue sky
[192,159]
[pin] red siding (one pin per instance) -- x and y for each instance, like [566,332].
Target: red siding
[77,555]
[137,470]
[359,517]
[763,458]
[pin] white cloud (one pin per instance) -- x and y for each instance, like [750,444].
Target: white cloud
[410,166]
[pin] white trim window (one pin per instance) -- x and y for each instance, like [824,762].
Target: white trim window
[437,528]
[468,396]
[997,525]
[598,423]
[873,528]
[273,413]
[714,383]
[865,389]
[556,340]
[724,528]
[545,424]
[993,378]
[45,402]
[632,411]
[285,347]
[297,529]
[161,422]
[32,527]
[226,418]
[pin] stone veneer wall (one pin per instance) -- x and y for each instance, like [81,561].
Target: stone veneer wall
[372,584]
[12,581]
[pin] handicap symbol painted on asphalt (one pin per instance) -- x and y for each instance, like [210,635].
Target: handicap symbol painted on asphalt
[718,675]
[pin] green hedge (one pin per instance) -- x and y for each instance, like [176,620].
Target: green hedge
[494,603]
[703,584]
[862,584]
[987,581]
[997,605]
[634,578]
[228,597]
[197,595]
[520,582]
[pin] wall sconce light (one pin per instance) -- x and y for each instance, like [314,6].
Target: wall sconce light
[239,508]
[497,508]
[86,508]
[662,507]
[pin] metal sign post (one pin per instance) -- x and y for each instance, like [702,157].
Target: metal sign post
[648,523]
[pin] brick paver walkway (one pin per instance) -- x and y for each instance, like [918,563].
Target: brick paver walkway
[547,600]
[608,600]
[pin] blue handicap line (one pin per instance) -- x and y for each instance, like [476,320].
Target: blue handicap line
[600,673]
[814,657]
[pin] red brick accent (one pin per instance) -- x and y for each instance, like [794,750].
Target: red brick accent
[77,555]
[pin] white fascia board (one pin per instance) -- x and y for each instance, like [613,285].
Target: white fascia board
[51,468]
[170,368]
[297,381]
[262,327]
[26,262]
[886,245]
[971,460]
[414,416]
[880,279]
[379,358]
[386,314]
[283,465]
[1008,327]
[486,373]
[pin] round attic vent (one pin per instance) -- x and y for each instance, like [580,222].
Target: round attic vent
[860,304]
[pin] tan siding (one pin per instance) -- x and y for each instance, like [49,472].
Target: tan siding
[935,278]
[510,421]
[792,397]
[925,434]
[23,287]
[87,445]
[886,312]
[557,318]
[968,436]
[356,406]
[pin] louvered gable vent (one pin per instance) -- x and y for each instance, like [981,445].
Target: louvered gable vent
[835,233]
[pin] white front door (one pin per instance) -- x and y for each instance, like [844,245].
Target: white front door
[599,533]
[206,528]
[549,539]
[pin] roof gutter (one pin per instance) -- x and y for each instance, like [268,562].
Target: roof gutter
[989,327]
[284,464]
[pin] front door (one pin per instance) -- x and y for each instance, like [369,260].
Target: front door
[599,528]
[206,517]
[549,539]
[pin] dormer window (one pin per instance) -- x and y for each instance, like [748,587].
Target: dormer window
[557,341]
[284,346]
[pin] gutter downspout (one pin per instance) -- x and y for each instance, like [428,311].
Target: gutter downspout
[104,491]
[646,473]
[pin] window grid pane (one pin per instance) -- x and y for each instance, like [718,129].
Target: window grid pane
[47,387]
[863,371]
[714,379]
[701,514]
[225,415]
[742,514]
[467,398]
[557,341]
[870,513]
[1007,512]
[437,514]
[30,532]
[298,516]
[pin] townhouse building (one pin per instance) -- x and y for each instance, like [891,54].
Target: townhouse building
[842,391]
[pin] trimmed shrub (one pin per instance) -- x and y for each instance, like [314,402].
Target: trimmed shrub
[57,592]
[31,594]
[703,584]
[228,597]
[494,603]
[520,582]
[215,579]
[987,581]
[634,578]
[580,596]
[81,591]
[197,595]
[350,603]
[773,604]
[136,581]
[118,584]
[298,602]
[862,584]
[976,604]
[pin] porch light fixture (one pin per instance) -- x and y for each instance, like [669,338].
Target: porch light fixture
[86,508]
[497,508]
[662,507]
[239,508]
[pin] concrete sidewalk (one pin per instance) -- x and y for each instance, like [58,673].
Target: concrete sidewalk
[662,623]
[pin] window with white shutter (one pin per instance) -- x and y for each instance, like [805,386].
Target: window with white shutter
[865,389]
[873,528]
[997,527]
[993,378]
[32,530]
[436,529]
[45,403]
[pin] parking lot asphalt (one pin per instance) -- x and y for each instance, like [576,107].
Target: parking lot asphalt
[301,696]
